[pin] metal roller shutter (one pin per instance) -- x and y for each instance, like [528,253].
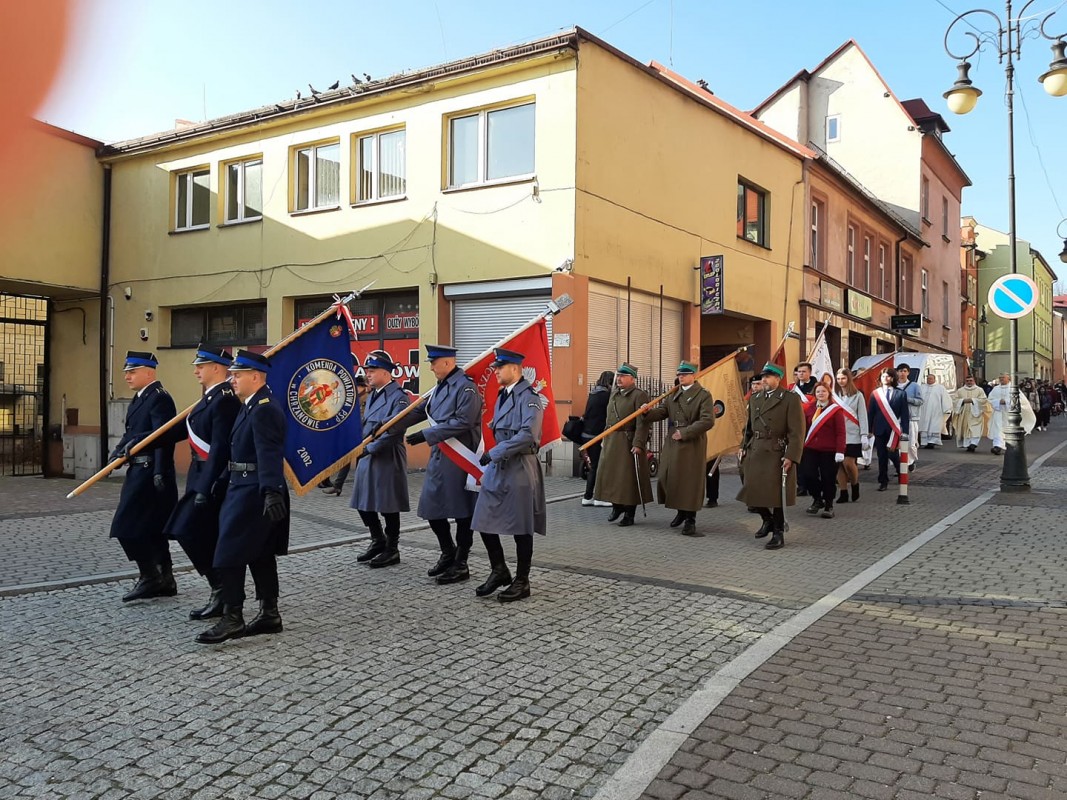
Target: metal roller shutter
[478,324]
[607,332]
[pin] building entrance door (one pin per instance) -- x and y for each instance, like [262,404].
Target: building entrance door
[23,326]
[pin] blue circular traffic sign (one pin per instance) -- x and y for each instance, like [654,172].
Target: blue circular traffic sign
[1013,296]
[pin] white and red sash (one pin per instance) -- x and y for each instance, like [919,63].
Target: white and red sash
[821,419]
[806,399]
[890,417]
[200,447]
[461,455]
[840,403]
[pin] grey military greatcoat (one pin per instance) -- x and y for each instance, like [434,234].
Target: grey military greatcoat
[512,499]
[683,467]
[382,470]
[775,430]
[616,477]
[455,409]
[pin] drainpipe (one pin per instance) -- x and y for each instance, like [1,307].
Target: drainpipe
[105,279]
[899,259]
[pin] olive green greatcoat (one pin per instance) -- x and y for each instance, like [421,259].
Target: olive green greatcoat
[616,481]
[683,462]
[775,430]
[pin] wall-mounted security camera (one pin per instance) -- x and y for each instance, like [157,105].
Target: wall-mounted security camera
[127,292]
[566,266]
[148,315]
[144,334]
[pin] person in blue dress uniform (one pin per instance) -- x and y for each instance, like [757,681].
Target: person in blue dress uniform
[382,470]
[254,518]
[512,499]
[150,488]
[455,413]
[194,522]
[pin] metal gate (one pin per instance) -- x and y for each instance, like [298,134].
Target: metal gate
[23,323]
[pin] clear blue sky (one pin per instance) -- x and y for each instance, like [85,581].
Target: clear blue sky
[136,66]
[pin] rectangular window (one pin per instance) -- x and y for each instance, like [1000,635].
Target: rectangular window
[925,200]
[850,257]
[317,177]
[925,289]
[752,214]
[243,324]
[381,166]
[865,278]
[491,145]
[906,280]
[244,190]
[833,129]
[944,303]
[881,270]
[816,235]
[192,201]
[944,217]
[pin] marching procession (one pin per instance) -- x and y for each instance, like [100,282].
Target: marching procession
[805,439]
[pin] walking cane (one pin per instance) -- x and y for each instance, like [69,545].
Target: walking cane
[640,493]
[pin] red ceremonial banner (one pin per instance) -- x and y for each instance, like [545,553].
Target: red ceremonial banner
[867,381]
[532,343]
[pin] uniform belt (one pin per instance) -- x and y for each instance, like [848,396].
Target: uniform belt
[240,466]
[763,435]
[140,459]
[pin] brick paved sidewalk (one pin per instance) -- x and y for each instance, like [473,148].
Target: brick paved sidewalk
[946,677]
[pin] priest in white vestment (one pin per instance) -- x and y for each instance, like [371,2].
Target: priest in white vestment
[999,400]
[934,412]
[970,415]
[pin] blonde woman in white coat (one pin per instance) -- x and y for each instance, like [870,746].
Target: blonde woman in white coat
[855,433]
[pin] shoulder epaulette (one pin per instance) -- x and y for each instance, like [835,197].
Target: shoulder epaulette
[263,400]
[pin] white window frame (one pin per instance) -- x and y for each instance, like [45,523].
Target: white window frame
[944,304]
[867,264]
[926,199]
[376,171]
[240,190]
[189,176]
[925,294]
[836,120]
[850,255]
[483,147]
[882,249]
[815,234]
[313,177]
[944,217]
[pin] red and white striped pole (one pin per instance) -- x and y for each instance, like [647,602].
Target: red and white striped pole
[903,446]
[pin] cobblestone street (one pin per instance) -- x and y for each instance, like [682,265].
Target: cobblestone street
[941,676]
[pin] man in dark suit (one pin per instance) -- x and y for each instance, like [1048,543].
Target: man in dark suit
[889,418]
[150,489]
[195,520]
[455,411]
[254,519]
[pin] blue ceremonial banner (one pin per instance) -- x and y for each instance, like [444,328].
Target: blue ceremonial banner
[313,378]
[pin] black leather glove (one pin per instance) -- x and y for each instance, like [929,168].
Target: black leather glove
[485,460]
[415,438]
[274,506]
[124,451]
[159,483]
[116,453]
[200,500]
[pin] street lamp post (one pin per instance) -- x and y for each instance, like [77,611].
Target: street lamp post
[983,321]
[1062,232]
[961,98]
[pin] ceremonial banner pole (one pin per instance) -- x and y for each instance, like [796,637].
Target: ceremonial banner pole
[141,445]
[553,308]
[651,403]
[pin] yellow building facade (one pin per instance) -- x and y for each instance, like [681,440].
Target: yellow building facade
[465,196]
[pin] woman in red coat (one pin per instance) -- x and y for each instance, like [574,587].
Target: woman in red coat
[824,449]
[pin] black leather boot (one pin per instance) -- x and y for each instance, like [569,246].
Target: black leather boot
[689,526]
[500,575]
[855,492]
[443,532]
[443,565]
[457,571]
[627,517]
[679,518]
[520,587]
[168,587]
[268,620]
[843,496]
[391,554]
[616,512]
[214,604]
[767,527]
[777,541]
[148,584]
[377,545]
[231,626]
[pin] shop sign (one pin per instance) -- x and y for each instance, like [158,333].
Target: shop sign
[859,305]
[830,296]
[711,285]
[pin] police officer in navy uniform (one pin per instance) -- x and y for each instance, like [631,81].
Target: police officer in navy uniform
[195,521]
[512,499]
[382,470]
[150,489]
[254,518]
[455,411]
